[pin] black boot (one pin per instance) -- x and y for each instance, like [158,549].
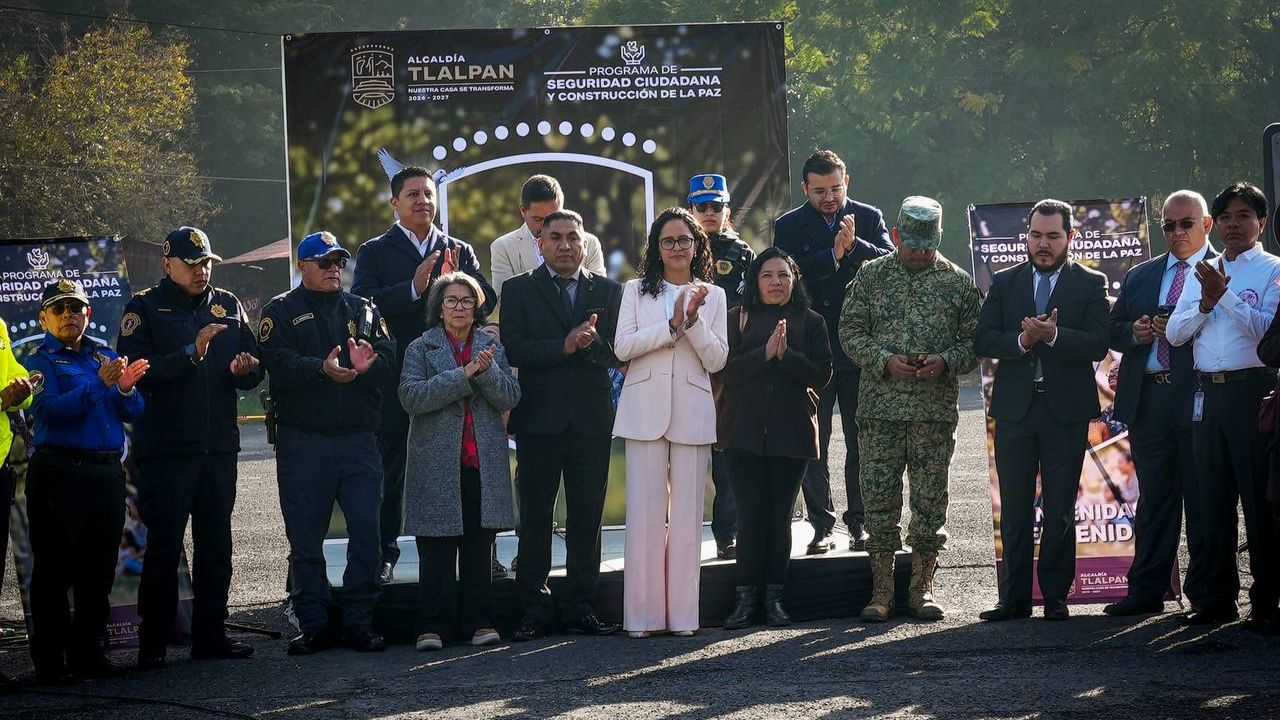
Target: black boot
[744,607]
[773,612]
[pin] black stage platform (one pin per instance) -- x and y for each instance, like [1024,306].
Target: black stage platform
[834,585]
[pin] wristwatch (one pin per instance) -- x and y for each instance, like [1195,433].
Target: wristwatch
[190,350]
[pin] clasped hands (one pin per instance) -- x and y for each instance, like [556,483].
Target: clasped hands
[1040,328]
[122,373]
[845,237]
[582,336]
[899,367]
[362,358]
[686,308]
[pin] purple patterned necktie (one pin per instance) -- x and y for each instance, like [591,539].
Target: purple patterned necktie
[1175,292]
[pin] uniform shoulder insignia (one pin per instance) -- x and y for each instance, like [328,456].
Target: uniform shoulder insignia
[129,323]
[143,291]
[264,329]
[217,310]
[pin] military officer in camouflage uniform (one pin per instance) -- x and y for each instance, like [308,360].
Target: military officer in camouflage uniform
[909,321]
[730,255]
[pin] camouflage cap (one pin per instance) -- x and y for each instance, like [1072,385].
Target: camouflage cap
[920,223]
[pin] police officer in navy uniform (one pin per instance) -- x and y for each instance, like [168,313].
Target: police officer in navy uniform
[83,395]
[329,355]
[202,351]
[709,202]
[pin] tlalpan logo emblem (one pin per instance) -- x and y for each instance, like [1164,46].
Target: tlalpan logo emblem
[632,52]
[373,76]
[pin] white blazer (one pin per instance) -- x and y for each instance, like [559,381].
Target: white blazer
[514,253]
[667,393]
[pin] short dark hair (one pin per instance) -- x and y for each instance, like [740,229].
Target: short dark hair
[751,281]
[562,214]
[540,188]
[1251,194]
[822,162]
[1049,206]
[410,171]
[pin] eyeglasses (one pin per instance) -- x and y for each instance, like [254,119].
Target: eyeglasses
[834,190]
[684,242]
[711,205]
[325,263]
[75,306]
[1183,224]
[453,302]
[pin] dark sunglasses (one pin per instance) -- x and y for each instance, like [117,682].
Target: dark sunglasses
[75,306]
[713,206]
[325,263]
[1183,224]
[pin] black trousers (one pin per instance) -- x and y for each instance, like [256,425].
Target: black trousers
[583,461]
[76,508]
[171,488]
[393,442]
[455,577]
[7,482]
[724,514]
[817,477]
[1231,467]
[765,489]
[1160,440]
[1038,443]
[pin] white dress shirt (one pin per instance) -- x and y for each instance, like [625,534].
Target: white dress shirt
[1226,338]
[1190,288]
[423,245]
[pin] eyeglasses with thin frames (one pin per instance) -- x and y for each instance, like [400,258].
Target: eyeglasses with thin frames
[684,242]
[452,302]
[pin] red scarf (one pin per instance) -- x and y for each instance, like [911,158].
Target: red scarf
[470,452]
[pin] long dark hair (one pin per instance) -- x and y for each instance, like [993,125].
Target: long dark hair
[651,265]
[751,281]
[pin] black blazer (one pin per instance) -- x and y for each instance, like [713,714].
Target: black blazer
[559,393]
[384,273]
[1080,297]
[804,234]
[770,407]
[1140,295]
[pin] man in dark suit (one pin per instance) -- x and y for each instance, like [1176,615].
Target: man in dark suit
[1153,397]
[558,322]
[1045,320]
[830,236]
[394,270]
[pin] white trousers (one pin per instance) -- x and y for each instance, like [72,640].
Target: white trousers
[665,486]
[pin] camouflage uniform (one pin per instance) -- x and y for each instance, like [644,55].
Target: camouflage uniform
[889,310]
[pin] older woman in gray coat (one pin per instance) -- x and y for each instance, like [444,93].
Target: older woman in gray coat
[455,384]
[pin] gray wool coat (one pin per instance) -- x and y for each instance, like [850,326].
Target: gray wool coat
[432,388]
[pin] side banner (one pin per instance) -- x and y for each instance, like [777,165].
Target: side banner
[1113,238]
[97,263]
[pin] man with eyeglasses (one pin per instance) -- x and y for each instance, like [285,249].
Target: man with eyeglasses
[1153,398]
[329,358]
[203,353]
[83,395]
[830,236]
[1224,312]
[518,251]
[731,255]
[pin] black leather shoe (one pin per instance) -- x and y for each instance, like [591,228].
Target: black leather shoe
[744,607]
[497,570]
[858,538]
[151,658]
[1210,616]
[1056,612]
[774,613]
[97,667]
[1002,612]
[224,649]
[820,545]
[387,574]
[727,551]
[529,629]
[1134,606]
[589,624]
[308,644]
[363,640]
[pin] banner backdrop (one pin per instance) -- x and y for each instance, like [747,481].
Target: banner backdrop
[1113,238]
[26,266]
[621,116]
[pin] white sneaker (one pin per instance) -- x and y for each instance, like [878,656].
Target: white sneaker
[684,633]
[485,636]
[429,641]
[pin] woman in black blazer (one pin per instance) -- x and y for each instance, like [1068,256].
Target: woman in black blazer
[779,357]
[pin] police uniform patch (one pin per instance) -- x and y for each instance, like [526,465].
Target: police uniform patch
[37,382]
[264,329]
[129,323]
[164,249]
[217,310]
[351,328]
[708,182]
[65,285]
[304,317]
[723,267]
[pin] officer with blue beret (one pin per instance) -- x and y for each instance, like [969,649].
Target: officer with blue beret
[329,355]
[730,255]
[203,353]
[83,395]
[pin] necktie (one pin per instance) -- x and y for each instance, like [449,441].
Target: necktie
[1043,288]
[1175,292]
[564,284]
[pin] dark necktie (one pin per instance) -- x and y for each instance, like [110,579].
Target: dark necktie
[1043,288]
[564,283]
[1175,292]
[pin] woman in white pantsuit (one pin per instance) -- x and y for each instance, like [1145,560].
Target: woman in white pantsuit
[671,328]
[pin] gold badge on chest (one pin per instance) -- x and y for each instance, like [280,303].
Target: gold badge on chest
[351,328]
[723,267]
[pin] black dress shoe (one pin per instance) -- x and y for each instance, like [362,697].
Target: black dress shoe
[858,538]
[151,657]
[363,640]
[529,629]
[1056,612]
[97,667]
[820,544]
[1002,612]
[309,644]
[1134,606]
[727,551]
[497,570]
[225,649]
[1210,616]
[589,624]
